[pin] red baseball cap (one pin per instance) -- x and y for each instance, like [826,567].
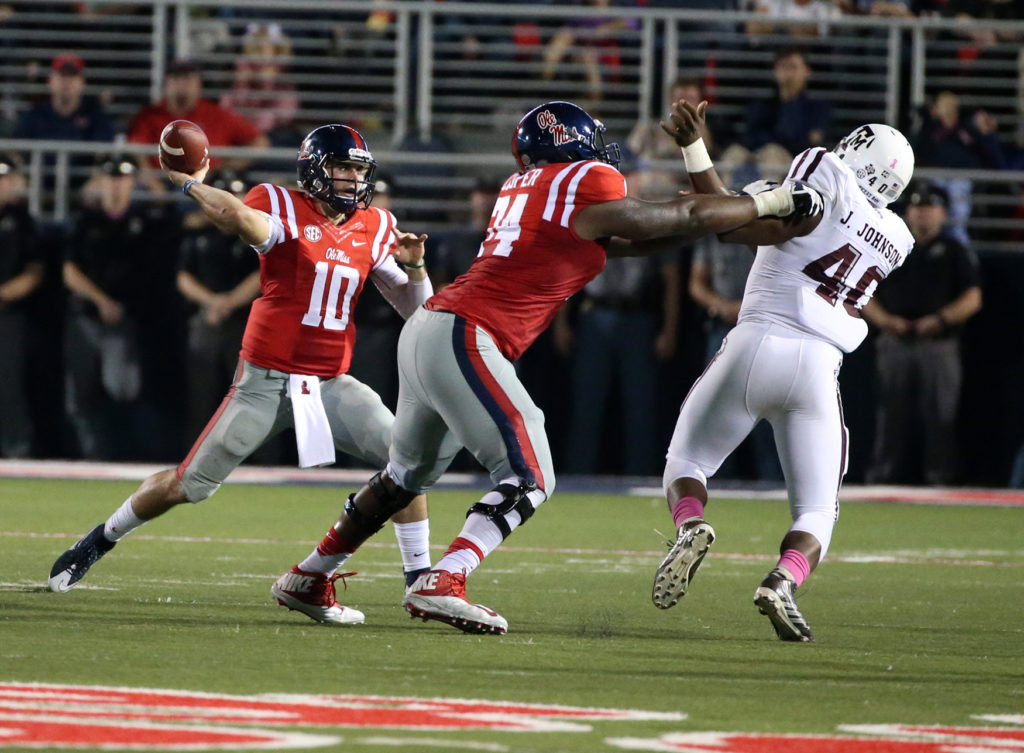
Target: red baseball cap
[68,64]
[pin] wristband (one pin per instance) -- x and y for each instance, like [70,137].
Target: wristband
[187,185]
[421,265]
[696,157]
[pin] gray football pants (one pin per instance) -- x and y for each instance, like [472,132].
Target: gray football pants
[457,390]
[257,407]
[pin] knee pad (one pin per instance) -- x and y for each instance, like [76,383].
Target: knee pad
[512,498]
[372,511]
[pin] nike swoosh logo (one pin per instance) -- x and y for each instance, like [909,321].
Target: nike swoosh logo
[419,554]
[358,243]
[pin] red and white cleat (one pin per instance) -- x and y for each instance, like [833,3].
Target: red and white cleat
[440,595]
[313,595]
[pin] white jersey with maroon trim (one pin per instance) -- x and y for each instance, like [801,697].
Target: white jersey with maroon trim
[311,274]
[531,260]
[818,283]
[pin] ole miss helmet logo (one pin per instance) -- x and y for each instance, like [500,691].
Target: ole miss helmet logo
[559,133]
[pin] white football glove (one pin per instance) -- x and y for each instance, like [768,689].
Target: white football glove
[758,186]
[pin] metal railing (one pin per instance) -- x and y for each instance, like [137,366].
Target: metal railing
[437,87]
[439,202]
[428,67]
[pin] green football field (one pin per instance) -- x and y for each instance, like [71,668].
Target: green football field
[917,614]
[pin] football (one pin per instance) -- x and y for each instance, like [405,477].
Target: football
[183,146]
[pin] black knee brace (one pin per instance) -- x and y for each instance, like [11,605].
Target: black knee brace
[370,515]
[513,498]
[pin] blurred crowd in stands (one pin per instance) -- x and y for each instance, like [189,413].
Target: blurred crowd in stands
[119,329]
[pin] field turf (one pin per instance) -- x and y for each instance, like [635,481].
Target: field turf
[917,614]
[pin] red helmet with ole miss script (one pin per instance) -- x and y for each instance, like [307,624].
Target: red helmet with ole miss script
[560,132]
[332,144]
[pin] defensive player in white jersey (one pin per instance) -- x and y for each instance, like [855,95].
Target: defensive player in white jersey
[800,313]
[553,224]
[317,249]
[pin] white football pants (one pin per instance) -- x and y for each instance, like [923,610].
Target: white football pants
[768,371]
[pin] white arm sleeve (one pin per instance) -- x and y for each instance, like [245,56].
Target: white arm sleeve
[277,234]
[394,284]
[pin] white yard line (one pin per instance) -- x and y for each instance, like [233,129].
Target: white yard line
[902,557]
[632,487]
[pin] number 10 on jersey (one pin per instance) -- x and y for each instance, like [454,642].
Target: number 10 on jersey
[333,317]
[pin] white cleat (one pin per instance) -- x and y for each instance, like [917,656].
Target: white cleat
[675,572]
[440,595]
[313,595]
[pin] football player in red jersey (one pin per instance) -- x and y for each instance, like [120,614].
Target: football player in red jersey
[553,224]
[316,250]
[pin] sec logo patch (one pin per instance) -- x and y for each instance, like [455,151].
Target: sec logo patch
[312,233]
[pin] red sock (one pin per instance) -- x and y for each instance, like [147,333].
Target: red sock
[463,556]
[460,544]
[333,544]
[796,563]
[686,508]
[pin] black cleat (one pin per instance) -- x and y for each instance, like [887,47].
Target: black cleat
[72,566]
[774,598]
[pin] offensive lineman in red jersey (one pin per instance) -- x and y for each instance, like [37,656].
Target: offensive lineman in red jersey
[316,250]
[552,226]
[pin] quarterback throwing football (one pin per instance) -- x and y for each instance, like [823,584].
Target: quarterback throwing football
[316,249]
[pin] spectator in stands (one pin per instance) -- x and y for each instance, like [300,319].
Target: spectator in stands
[592,43]
[947,139]
[718,276]
[920,311]
[122,315]
[649,142]
[779,128]
[219,276]
[21,272]
[418,182]
[67,114]
[814,13]
[183,87]
[457,250]
[889,8]
[258,92]
[979,43]
[626,324]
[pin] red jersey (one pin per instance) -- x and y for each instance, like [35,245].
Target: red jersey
[221,126]
[311,274]
[531,260]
